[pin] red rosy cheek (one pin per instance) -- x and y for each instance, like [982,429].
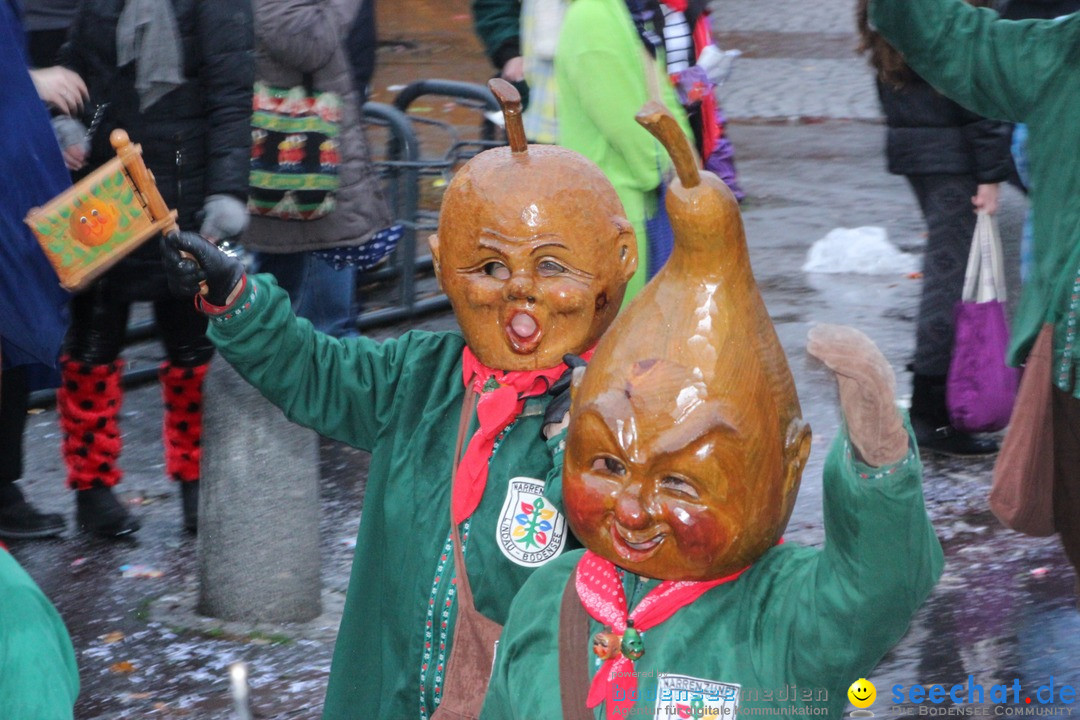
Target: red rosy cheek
[696,530]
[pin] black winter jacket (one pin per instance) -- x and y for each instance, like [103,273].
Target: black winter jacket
[1039,9]
[929,134]
[197,139]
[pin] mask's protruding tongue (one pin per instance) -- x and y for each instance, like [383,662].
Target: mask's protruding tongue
[523,325]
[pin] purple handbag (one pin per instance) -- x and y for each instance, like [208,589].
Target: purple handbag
[981,388]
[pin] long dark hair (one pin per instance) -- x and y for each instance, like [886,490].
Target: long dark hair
[884,58]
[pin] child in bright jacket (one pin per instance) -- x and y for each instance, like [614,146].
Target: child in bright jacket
[683,459]
[534,252]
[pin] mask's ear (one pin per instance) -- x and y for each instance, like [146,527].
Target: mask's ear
[796,452]
[627,244]
[433,244]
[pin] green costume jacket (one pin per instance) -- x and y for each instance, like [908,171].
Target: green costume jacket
[401,400]
[601,84]
[1022,71]
[38,676]
[793,631]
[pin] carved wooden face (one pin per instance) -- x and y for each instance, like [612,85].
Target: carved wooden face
[535,258]
[668,481]
[93,222]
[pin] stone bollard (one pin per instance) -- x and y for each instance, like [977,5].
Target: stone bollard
[258,546]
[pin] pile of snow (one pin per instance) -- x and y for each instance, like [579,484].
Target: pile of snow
[865,250]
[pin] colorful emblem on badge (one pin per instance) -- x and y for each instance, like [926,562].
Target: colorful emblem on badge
[530,531]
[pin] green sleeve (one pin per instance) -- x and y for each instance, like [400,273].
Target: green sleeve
[996,68]
[342,388]
[881,559]
[553,481]
[38,676]
[498,23]
[610,83]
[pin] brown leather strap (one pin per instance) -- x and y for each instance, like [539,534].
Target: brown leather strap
[574,678]
[468,407]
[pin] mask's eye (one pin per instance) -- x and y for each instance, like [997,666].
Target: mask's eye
[83,220]
[679,486]
[95,213]
[497,270]
[608,465]
[549,268]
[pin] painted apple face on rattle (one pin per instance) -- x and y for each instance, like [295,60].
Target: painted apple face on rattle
[93,222]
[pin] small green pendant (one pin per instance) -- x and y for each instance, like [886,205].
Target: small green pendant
[491,384]
[633,646]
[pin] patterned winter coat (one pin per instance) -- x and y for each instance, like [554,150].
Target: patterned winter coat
[294,39]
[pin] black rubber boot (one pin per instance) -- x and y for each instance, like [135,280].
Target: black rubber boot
[19,520]
[98,512]
[189,497]
[930,421]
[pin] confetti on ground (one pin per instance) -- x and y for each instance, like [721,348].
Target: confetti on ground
[139,571]
[915,276]
[78,561]
[113,637]
[122,668]
[1040,571]
[128,697]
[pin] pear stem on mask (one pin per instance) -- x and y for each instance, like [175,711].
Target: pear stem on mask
[510,102]
[659,121]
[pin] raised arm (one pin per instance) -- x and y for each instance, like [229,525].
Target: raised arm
[997,68]
[344,389]
[881,556]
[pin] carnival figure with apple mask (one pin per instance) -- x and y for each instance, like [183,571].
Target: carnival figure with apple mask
[534,251]
[683,460]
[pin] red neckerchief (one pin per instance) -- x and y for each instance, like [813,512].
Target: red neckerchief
[702,35]
[601,592]
[495,410]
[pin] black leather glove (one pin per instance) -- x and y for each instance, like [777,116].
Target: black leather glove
[560,394]
[204,263]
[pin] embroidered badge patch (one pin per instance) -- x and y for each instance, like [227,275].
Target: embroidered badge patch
[682,696]
[530,531]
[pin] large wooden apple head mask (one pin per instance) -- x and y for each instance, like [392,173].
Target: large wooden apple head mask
[533,249]
[686,441]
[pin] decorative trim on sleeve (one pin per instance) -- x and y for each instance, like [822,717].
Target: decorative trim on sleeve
[219,314]
[865,472]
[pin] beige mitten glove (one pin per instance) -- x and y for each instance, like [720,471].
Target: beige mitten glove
[867,392]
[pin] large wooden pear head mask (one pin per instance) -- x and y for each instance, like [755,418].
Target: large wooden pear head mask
[533,249]
[686,441]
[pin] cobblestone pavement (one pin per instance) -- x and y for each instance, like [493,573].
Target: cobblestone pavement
[799,61]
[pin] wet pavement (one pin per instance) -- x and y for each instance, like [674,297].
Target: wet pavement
[810,156]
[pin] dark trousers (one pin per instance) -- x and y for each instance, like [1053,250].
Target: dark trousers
[1067,473]
[14,392]
[99,323]
[946,206]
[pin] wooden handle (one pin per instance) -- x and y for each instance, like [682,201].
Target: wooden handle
[510,102]
[131,156]
[659,121]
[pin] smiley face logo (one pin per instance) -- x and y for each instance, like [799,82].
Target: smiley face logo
[862,693]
